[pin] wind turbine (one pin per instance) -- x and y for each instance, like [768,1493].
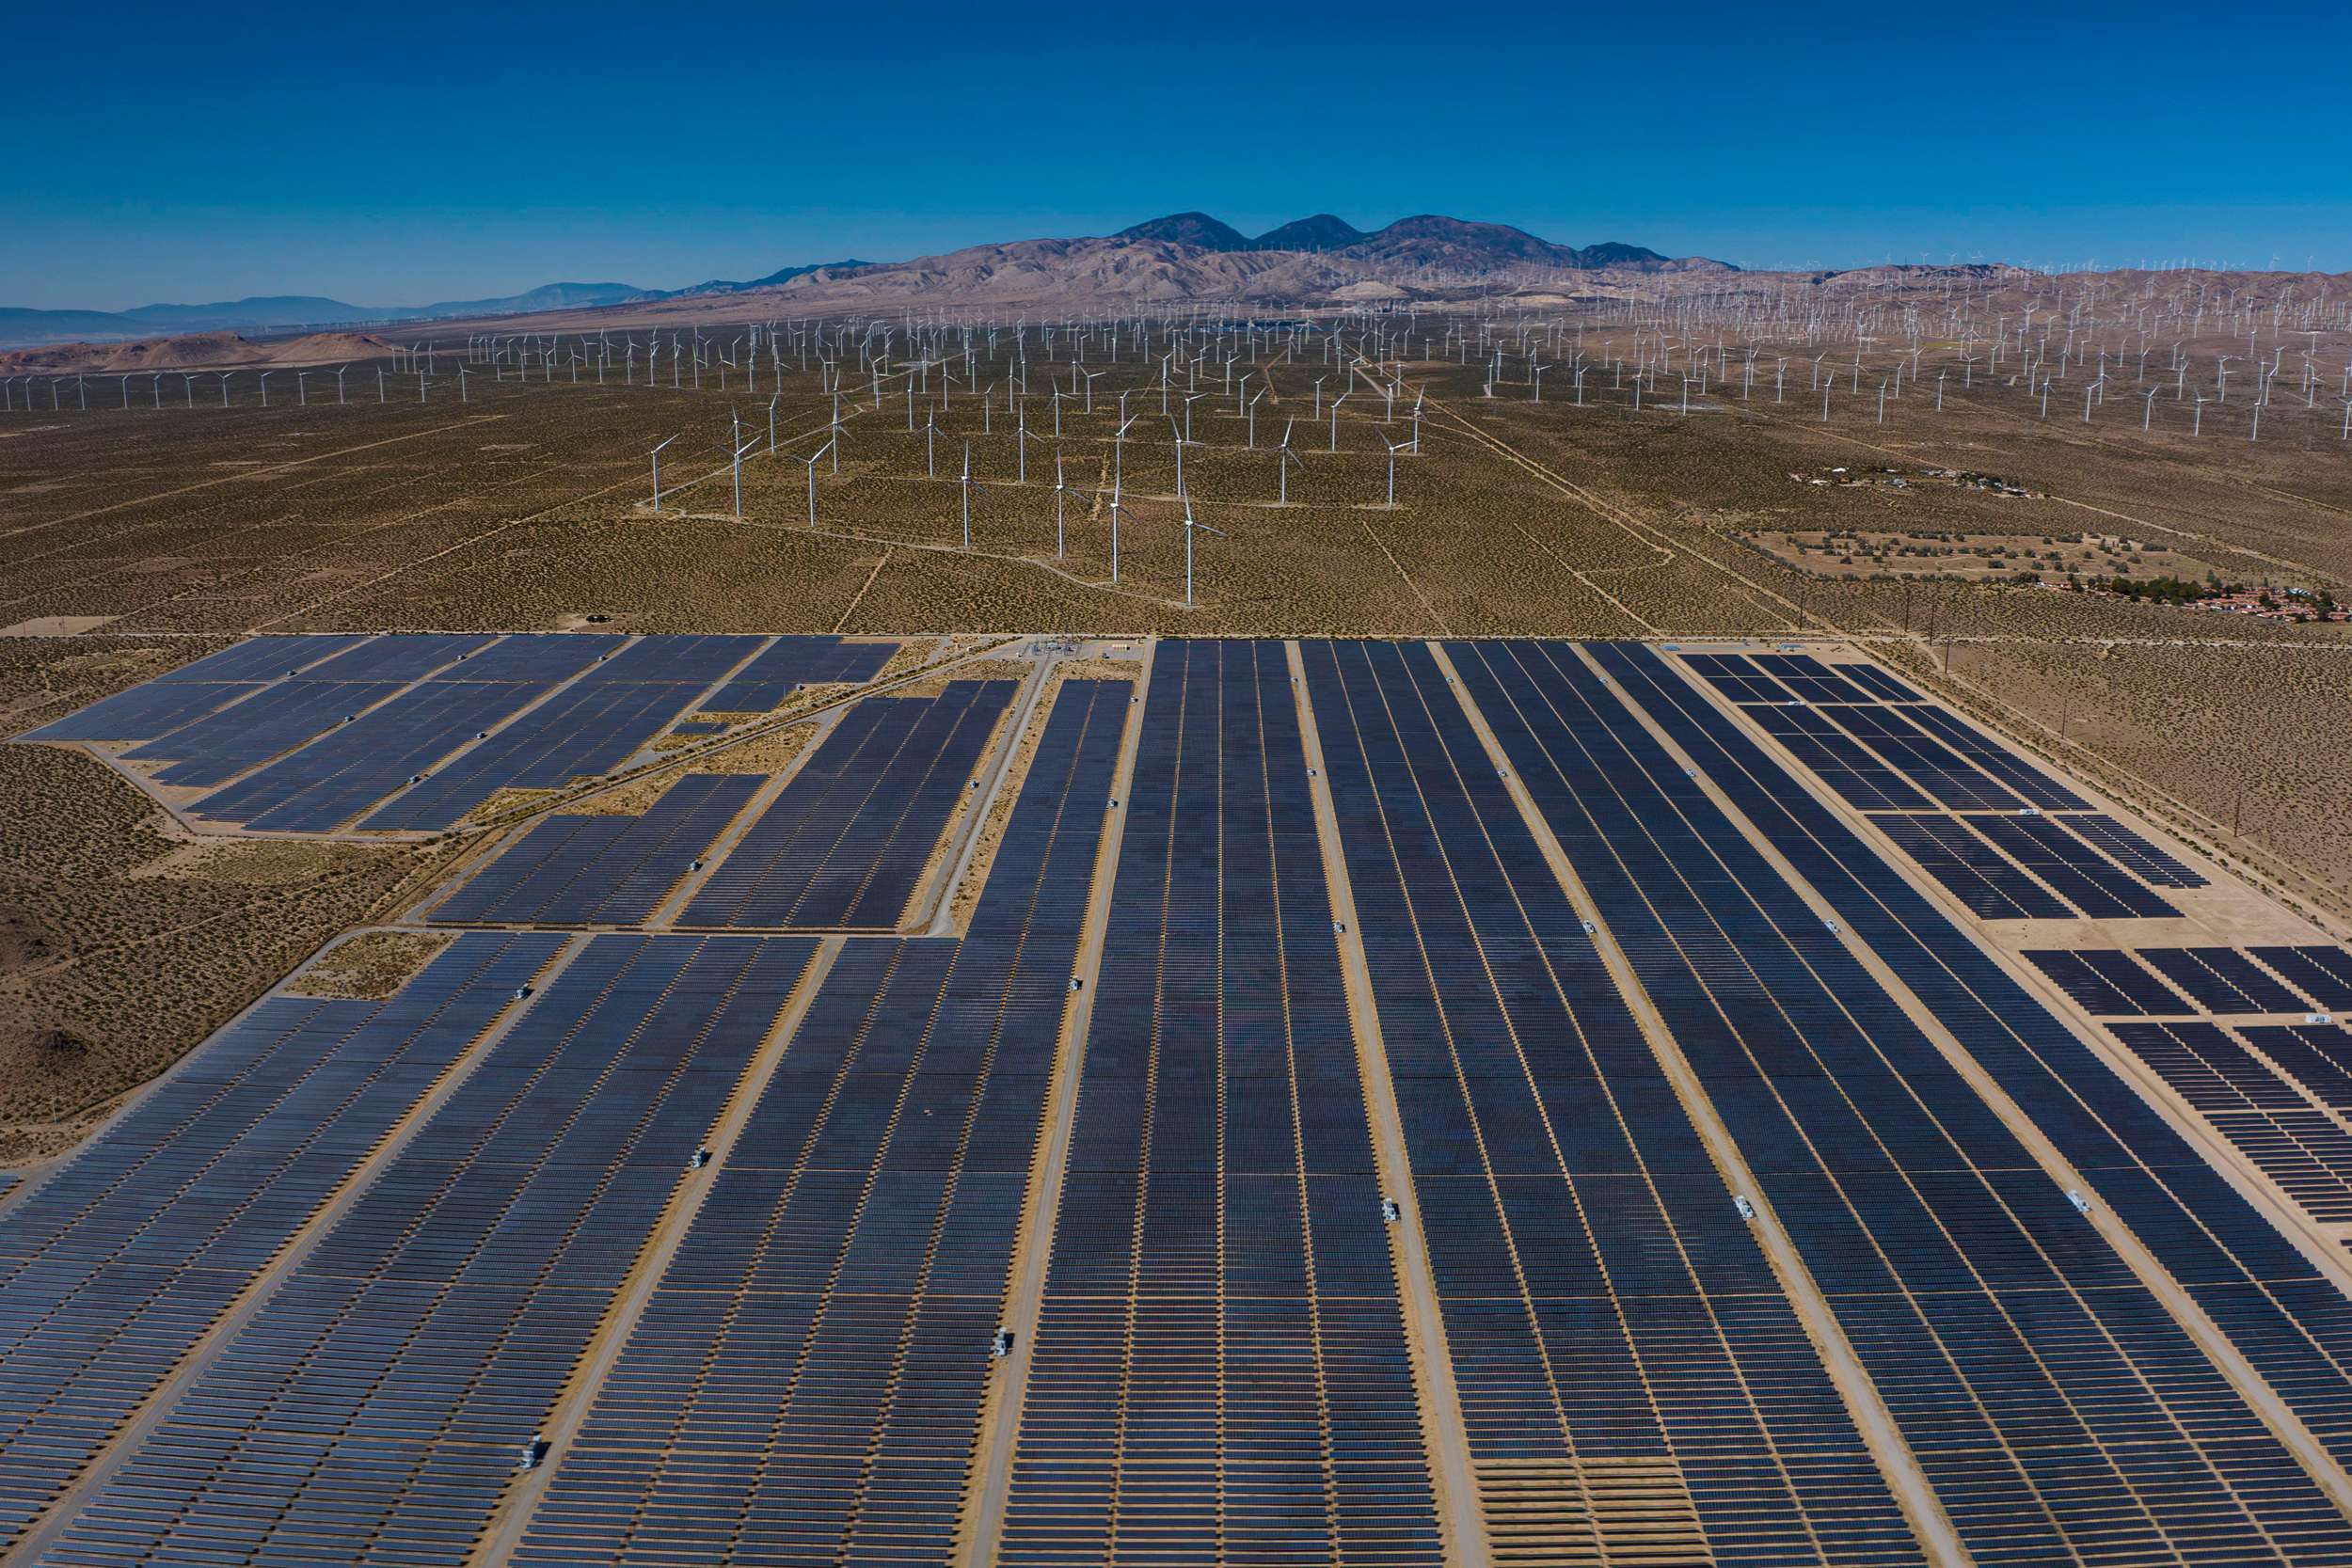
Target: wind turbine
[1283,459]
[811,460]
[1395,447]
[1190,527]
[736,451]
[654,451]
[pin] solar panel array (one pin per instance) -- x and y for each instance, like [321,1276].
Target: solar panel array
[373,1407]
[767,682]
[2322,973]
[2221,980]
[355,765]
[114,1267]
[1857,776]
[1615,1328]
[587,728]
[2080,874]
[805,1384]
[2106,983]
[1972,869]
[2303,1149]
[602,870]
[1220,1371]
[846,840]
[2057,1407]
[2318,1057]
[2132,852]
[176,697]
[2272,1305]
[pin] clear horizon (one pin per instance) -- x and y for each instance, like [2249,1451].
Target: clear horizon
[401,159]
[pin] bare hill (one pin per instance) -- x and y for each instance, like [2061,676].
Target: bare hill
[197,351]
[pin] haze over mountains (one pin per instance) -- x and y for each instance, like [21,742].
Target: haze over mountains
[1185,255]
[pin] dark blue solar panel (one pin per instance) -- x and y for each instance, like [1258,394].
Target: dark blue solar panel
[2085,876]
[603,870]
[2134,852]
[2113,986]
[767,681]
[2221,979]
[2303,1150]
[2031,1373]
[1858,777]
[275,718]
[114,1266]
[1879,683]
[2038,788]
[262,658]
[354,764]
[405,656]
[585,730]
[176,697]
[1809,679]
[373,1406]
[145,711]
[2322,973]
[2293,1327]
[1942,772]
[829,1308]
[846,840]
[1601,1294]
[2317,1055]
[1990,887]
[1219,1216]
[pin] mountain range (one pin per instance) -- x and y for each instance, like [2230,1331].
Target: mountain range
[1184,255]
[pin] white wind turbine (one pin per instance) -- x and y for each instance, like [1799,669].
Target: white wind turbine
[1190,528]
[654,451]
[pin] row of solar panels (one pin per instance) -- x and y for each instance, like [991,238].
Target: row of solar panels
[2108,984]
[1220,1367]
[829,1308]
[2289,1321]
[304,733]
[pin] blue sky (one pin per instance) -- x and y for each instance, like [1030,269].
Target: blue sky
[401,155]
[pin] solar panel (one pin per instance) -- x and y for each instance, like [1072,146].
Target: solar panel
[1954,1264]
[373,1406]
[767,681]
[352,766]
[2030,782]
[2221,980]
[1934,767]
[2096,994]
[2301,1149]
[2322,973]
[588,728]
[2135,853]
[1990,886]
[276,718]
[1219,1222]
[1881,685]
[603,870]
[119,1263]
[1601,1294]
[2263,1294]
[846,842]
[831,1306]
[2317,1055]
[2085,877]
[261,658]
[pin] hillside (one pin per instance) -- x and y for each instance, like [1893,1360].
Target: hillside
[197,351]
